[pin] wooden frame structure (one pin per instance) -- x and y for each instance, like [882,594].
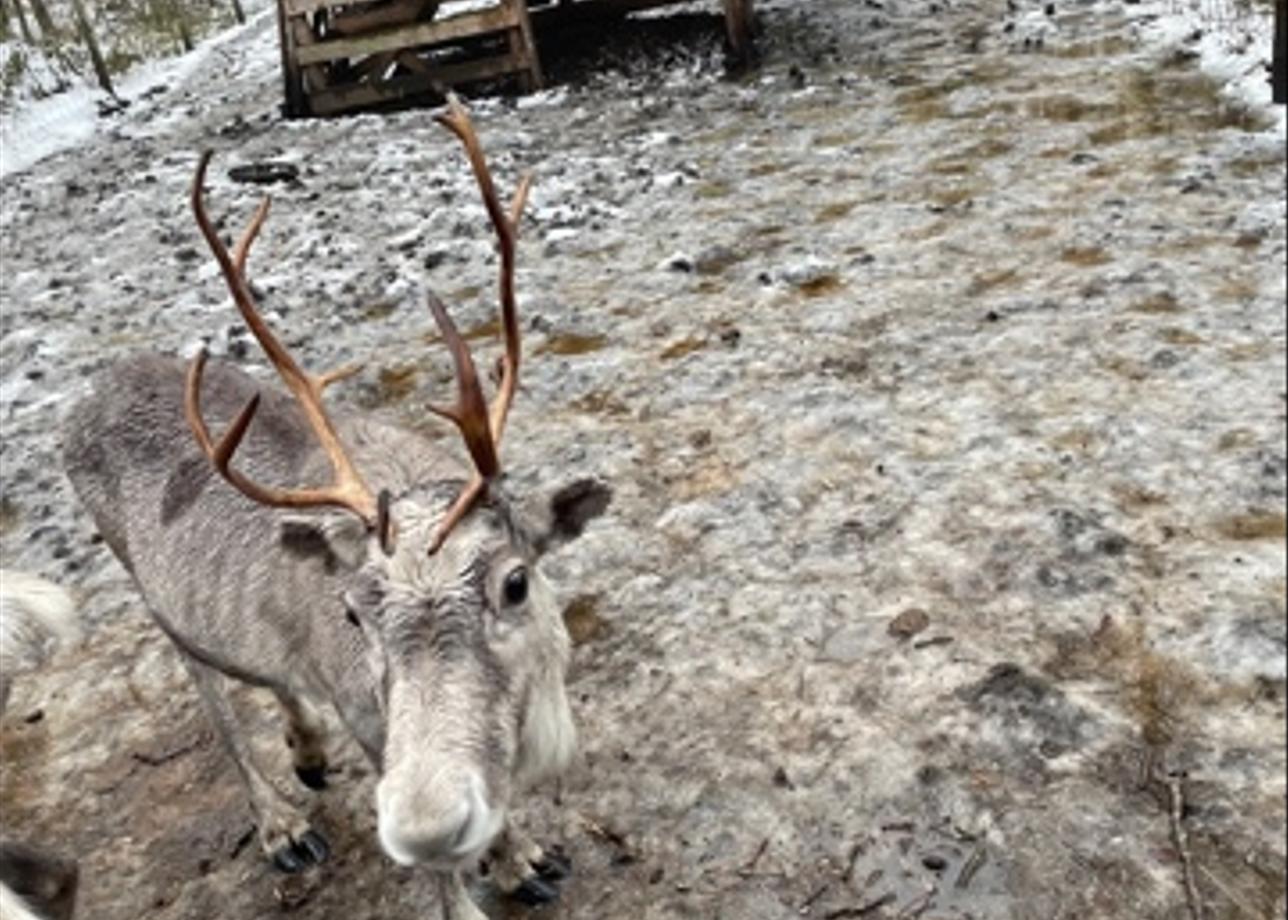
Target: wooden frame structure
[341,55]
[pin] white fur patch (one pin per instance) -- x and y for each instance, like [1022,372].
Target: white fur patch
[13,907]
[549,737]
[32,611]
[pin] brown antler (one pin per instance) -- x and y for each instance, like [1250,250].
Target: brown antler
[348,490]
[480,426]
[507,232]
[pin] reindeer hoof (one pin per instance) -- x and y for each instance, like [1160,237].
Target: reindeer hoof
[535,891]
[310,850]
[315,845]
[285,860]
[553,866]
[313,777]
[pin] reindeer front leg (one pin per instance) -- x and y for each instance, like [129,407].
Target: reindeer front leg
[285,834]
[457,904]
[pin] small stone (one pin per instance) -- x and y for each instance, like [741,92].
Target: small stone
[909,623]
[678,262]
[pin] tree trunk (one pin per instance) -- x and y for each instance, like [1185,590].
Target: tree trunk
[1278,66]
[41,12]
[239,12]
[23,25]
[175,8]
[95,56]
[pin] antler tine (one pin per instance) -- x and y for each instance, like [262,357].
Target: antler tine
[248,237]
[506,227]
[348,491]
[240,254]
[473,489]
[470,411]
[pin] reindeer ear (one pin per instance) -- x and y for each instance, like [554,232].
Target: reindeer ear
[570,509]
[339,540]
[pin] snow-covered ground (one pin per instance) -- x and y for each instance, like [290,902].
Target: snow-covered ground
[1231,42]
[938,368]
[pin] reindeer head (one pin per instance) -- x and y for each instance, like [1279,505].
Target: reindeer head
[464,638]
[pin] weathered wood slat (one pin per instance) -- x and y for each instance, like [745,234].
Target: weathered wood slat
[427,33]
[301,7]
[339,99]
[580,11]
[374,67]
[738,19]
[292,86]
[357,19]
[523,43]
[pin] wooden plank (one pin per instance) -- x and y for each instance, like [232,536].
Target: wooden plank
[312,78]
[292,87]
[374,67]
[301,7]
[340,98]
[301,36]
[525,44]
[426,33]
[582,11]
[354,20]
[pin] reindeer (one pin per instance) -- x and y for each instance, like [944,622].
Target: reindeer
[415,610]
[34,615]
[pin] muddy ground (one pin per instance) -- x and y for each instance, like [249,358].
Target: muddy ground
[938,369]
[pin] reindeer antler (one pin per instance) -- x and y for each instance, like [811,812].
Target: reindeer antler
[348,491]
[481,427]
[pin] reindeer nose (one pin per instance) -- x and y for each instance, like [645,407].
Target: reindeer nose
[441,823]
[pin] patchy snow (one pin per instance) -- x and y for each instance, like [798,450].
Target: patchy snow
[1230,40]
[938,369]
[37,128]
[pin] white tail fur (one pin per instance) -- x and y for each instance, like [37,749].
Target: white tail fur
[13,907]
[35,615]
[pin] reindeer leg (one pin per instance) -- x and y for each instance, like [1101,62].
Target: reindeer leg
[523,870]
[306,737]
[286,836]
[457,904]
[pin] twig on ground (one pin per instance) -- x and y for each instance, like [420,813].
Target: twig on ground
[749,866]
[973,864]
[1181,838]
[156,760]
[814,896]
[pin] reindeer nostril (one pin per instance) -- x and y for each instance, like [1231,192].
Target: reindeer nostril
[426,827]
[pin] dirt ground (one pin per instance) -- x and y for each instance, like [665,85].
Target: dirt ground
[938,369]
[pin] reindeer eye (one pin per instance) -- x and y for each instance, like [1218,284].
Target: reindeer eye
[516,586]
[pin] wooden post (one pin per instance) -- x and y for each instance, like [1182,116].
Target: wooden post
[738,22]
[95,56]
[522,42]
[1278,66]
[292,83]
